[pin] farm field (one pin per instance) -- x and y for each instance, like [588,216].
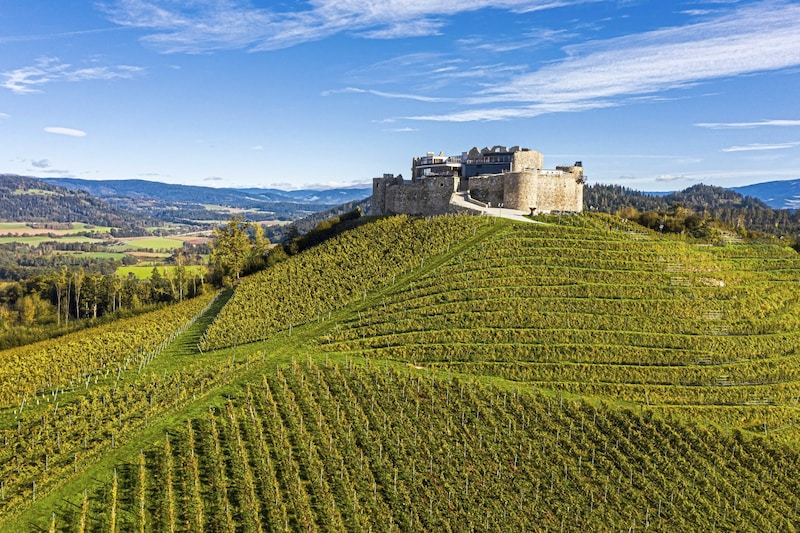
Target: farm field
[143,272]
[448,374]
[152,243]
[35,240]
[24,229]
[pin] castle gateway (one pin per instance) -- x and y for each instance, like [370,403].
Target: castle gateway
[512,178]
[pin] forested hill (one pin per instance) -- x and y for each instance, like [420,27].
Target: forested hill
[706,201]
[172,202]
[32,200]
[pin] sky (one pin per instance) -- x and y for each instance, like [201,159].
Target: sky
[653,95]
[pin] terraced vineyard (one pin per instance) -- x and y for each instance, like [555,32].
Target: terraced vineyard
[454,374]
[340,448]
[637,318]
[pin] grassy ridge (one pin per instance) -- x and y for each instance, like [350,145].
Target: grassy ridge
[491,376]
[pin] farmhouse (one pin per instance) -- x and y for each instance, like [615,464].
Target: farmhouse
[513,178]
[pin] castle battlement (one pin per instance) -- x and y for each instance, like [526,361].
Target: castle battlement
[497,176]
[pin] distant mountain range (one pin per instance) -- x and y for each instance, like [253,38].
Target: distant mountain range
[776,194]
[181,203]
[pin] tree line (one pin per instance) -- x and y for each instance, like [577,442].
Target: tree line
[70,298]
[700,210]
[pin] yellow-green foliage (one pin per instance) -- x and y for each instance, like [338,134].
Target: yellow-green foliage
[332,275]
[601,312]
[75,357]
[340,448]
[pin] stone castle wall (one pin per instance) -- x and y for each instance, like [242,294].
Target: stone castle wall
[487,189]
[521,190]
[425,196]
[526,186]
[526,160]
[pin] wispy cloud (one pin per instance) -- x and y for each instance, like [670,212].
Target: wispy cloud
[4,115]
[49,36]
[207,25]
[401,130]
[383,94]
[757,38]
[746,125]
[50,69]
[69,132]
[416,28]
[755,147]
[672,177]
[41,163]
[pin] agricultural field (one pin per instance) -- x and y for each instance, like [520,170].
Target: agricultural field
[23,229]
[151,243]
[35,240]
[146,271]
[448,374]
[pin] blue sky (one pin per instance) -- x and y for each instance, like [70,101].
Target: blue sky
[654,95]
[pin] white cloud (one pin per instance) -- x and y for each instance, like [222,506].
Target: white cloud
[42,163]
[744,125]
[50,69]
[65,131]
[696,12]
[257,147]
[417,28]
[205,25]
[757,38]
[759,147]
[4,115]
[671,177]
[50,36]
[383,94]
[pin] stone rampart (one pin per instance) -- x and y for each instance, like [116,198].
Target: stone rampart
[526,186]
[424,196]
[488,189]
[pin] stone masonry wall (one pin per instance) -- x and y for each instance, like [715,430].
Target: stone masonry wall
[521,190]
[559,191]
[527,160]
[546,190]
[426,196]
[488,189]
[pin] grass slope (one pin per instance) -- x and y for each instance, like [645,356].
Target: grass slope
[514,377]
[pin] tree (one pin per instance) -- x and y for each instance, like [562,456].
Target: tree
[60,281]
[27,309]
[78,277]
[180,272]
[230,249]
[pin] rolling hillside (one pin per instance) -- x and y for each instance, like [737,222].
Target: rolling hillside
[173,202]
[449,374]
[32,200]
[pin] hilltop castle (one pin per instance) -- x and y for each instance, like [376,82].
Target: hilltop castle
[492,177]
